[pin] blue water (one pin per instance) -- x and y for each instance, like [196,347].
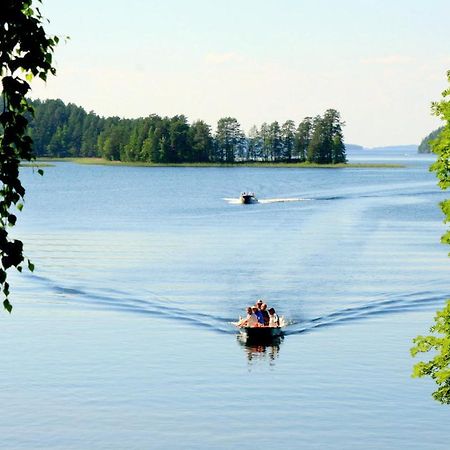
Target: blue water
[122,337]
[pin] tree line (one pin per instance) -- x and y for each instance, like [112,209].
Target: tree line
[60,130]
[424,146]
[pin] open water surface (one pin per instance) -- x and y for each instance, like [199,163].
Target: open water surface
[121,339]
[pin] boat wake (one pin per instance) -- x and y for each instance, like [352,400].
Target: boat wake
[400,190]
[156,305]
[416,301]
[237,201]
[151,304]
[284,200]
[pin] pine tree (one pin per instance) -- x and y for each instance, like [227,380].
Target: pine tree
[254,144]
[275,142]
[287,140]
[302,139]
[333,137]
[230,140]
[201,142]
[316,150]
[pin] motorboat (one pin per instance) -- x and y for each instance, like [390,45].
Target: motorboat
[248,197]
[262,334]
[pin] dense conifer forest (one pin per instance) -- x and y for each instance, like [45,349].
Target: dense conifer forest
[60,130]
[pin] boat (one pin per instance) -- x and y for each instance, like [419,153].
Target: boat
[262,334]
[248,197]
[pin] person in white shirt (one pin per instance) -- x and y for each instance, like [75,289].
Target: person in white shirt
[251,320]
[274,320]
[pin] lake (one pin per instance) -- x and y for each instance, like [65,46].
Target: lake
[121,338]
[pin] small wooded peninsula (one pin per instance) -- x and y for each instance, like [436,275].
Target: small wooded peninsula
[67,130]
[424,146]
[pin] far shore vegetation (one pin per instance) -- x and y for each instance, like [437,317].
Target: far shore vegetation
[36,165]
[425,145]
[60,130]
[46,162]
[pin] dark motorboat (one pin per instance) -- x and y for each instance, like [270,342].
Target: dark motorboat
[248,198]
[262,334]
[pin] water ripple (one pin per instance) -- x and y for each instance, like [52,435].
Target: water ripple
[414,301]
[158,306]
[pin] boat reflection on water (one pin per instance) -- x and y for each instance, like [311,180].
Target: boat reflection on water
[260,350]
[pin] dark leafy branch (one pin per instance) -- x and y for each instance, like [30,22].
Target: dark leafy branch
[25,52]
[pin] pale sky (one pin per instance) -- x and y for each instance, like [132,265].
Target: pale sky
[379,62]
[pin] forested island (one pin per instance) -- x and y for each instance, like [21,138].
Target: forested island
[60,130]
[424,146]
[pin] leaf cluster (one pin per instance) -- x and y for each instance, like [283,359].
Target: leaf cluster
[438,368]
[25,52]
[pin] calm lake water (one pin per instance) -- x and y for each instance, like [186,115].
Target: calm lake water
[122,337]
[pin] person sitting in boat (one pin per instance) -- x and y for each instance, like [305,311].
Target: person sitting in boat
[259,314]
[265,314]
[274,320]
[251,320]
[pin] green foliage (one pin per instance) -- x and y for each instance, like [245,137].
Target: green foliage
[424,146]
[303,138]
[438,368]
[287,140]
[275,142]
[201,142]
[25,52]
[60,130]
[230,140]
[326,141]
[7,305]
[441,146]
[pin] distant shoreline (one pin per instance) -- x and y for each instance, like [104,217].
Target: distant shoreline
[304,165]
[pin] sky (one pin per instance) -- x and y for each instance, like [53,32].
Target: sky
[379,63]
